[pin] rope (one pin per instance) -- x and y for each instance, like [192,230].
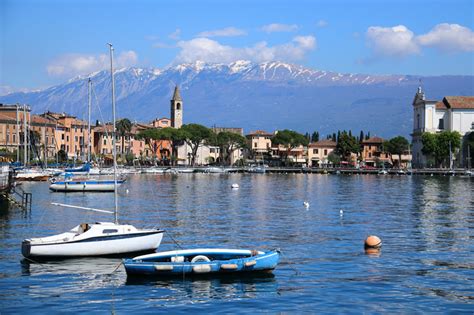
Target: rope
[172,238]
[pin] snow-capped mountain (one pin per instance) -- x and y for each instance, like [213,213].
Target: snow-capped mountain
[270,95]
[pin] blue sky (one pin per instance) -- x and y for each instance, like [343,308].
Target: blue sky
[46,42]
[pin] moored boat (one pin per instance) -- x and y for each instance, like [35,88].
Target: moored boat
[84,184]
[202,262]
[97,239]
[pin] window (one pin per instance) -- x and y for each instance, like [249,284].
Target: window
[67,138]
[212,150]
[370,154]
[268,145]
[255,145]
[14,139]
[178,106]
[109,231]
[417,121]
[325,152]
[62,136]
[75,138]
[105,141]
[315,151]
[441,124]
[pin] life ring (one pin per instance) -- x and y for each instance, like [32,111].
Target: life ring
[200,258]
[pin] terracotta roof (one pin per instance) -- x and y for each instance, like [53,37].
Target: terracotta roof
[373,140]
[260,133]
[323,144]
[459,102]
[440,106]
[103,128]
[36,119]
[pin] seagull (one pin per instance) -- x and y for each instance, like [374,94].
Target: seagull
[341,212]
[306,204]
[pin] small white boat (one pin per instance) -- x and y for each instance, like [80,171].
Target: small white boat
[74,184]
[213,169]
[382,172]
[185,170]
[153,170]
[32,175]
[257,169]
[98,239]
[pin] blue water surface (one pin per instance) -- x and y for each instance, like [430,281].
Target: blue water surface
[426,263]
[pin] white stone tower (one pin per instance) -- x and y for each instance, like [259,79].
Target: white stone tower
[176,109]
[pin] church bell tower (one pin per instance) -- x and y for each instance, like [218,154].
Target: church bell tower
[176,109]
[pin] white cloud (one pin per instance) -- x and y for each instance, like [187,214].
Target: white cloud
[399,41]
[396,41]
[209,50]
[225,32]
[275,27]
[449,37]
[322,23]
[175,35]
[77,64]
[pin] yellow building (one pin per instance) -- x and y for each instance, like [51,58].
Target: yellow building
[318,152]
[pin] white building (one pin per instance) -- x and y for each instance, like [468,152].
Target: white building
[453,113]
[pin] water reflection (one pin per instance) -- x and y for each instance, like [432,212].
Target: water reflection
[426,223]
[204,289]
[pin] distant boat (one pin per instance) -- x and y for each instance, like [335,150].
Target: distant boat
[85,168]
[97,239]
[214,169]
[382,172]
[32,175]
[70,183]
[257,169]
[202,262]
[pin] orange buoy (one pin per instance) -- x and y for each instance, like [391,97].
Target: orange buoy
[373,242]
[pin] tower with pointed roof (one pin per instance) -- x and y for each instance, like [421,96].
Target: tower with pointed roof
[176,109]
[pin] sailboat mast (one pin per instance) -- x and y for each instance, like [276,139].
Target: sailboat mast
[89,147]
[17,134]
[24,137]
[114,149]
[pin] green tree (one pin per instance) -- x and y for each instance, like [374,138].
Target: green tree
[62,156]
[149,136]
[447,140]
[397,146]
[227,142]
[289,139]
[347,145]
[437,145]
[334,158]
[469,149]
[124,126]
[315,136]
[175,136]
[195,135]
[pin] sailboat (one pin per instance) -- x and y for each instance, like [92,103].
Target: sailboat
[100,238]
[78,179]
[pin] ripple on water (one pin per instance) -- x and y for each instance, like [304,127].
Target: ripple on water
[426,263]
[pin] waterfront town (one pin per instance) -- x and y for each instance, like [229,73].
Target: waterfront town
[59,137]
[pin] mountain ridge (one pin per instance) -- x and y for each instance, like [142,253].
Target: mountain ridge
[270,95]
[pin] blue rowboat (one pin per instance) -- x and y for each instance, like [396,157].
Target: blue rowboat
[202,262]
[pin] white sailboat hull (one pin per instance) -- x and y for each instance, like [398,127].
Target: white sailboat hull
[82,186]
[127,240]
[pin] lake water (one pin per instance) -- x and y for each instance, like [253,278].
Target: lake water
[426,263]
